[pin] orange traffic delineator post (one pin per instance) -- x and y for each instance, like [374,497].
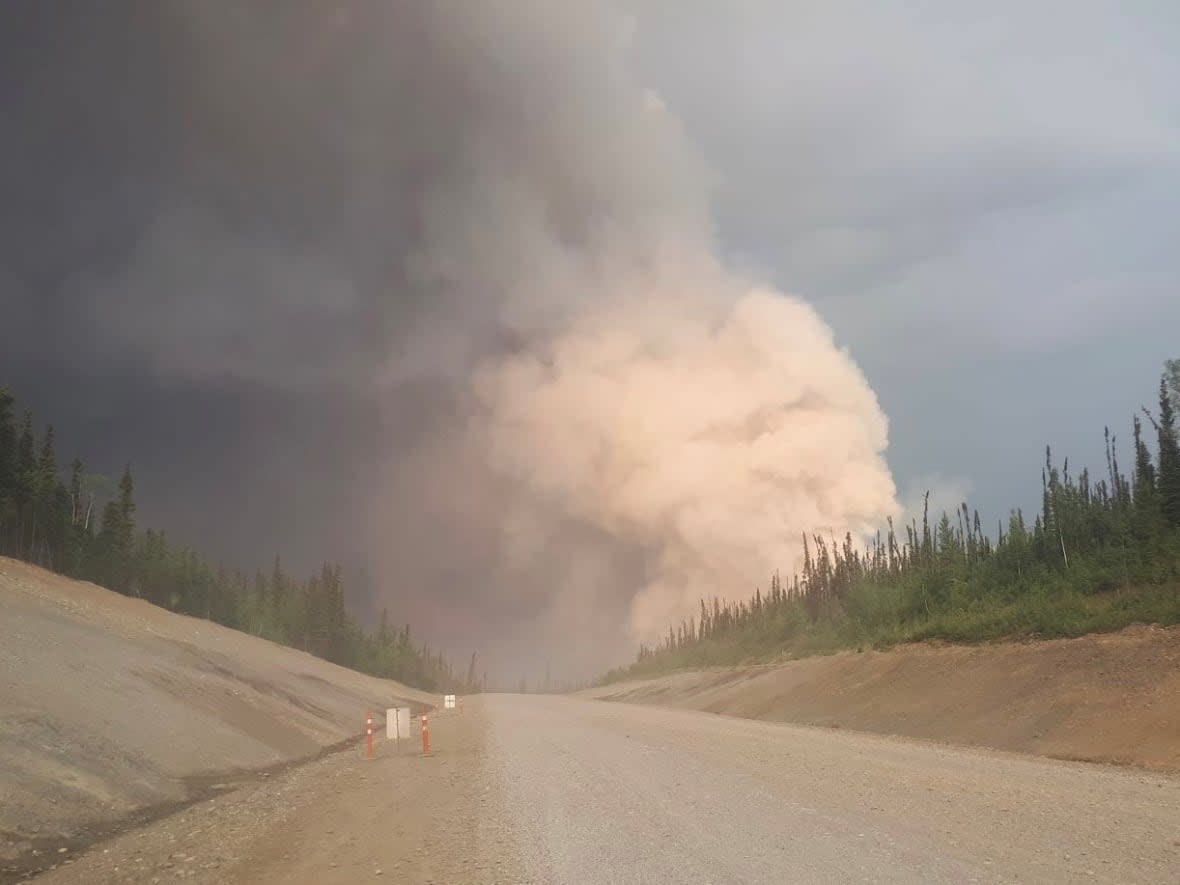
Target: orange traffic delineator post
[425,736]
[369,734]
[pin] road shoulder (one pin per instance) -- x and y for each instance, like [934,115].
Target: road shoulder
[343,818]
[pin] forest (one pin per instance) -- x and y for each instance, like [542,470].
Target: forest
[1102,553]
[83,526]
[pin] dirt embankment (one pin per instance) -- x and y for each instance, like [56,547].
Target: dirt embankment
[398,817]
[111,707]
[1111,698]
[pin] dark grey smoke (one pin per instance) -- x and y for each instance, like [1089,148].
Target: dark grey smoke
[358,281]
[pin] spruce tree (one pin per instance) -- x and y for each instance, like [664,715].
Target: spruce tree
[52,505]
[108,564]
[48,462]
[116,536]
[1146,513]
[1144,479]
[470,682]
[76,514]
[278,586]
[26,484]
[1169,458]
[8,505]
[7,445]
[127,506]
[45,488]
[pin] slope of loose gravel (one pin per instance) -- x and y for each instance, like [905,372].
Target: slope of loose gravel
[1111,698]
[345,818]
[110,706]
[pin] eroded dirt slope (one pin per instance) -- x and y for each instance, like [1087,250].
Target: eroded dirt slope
[109,705]
[1103,698]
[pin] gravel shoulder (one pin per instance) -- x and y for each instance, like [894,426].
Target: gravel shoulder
[398,817]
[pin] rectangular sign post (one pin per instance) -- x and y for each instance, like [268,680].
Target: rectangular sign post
[449,701]
[397,723]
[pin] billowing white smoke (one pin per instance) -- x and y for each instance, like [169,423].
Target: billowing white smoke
[594,422]
[646,404]
[704,421]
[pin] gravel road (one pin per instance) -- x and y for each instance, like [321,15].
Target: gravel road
[528,789]
[601,792]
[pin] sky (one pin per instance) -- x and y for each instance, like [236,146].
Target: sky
[326,273]
[980,199]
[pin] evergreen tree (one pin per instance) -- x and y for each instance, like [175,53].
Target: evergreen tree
[1172,381]
[1169,457]
[52,508]
[44,494]
[115,540]
[1147,512]
[26,484]
[8,480]
[76,506]
[127,505]
[470,680]
[278,591]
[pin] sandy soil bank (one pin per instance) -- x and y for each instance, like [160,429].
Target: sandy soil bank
[1111,698]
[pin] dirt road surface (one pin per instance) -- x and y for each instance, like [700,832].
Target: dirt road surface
[565,790]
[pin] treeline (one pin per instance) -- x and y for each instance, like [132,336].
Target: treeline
[547,684]
[48,517]
[1102,553]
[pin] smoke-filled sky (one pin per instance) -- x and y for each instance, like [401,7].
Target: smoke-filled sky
[546,319]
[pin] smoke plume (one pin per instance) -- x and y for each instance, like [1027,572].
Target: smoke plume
[707,430]
[471,228]
[644,427]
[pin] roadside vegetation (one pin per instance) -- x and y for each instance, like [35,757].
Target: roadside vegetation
[1103,553]
[82,525]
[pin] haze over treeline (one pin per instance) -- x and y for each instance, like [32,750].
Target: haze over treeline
[84,525]
[1103,552]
